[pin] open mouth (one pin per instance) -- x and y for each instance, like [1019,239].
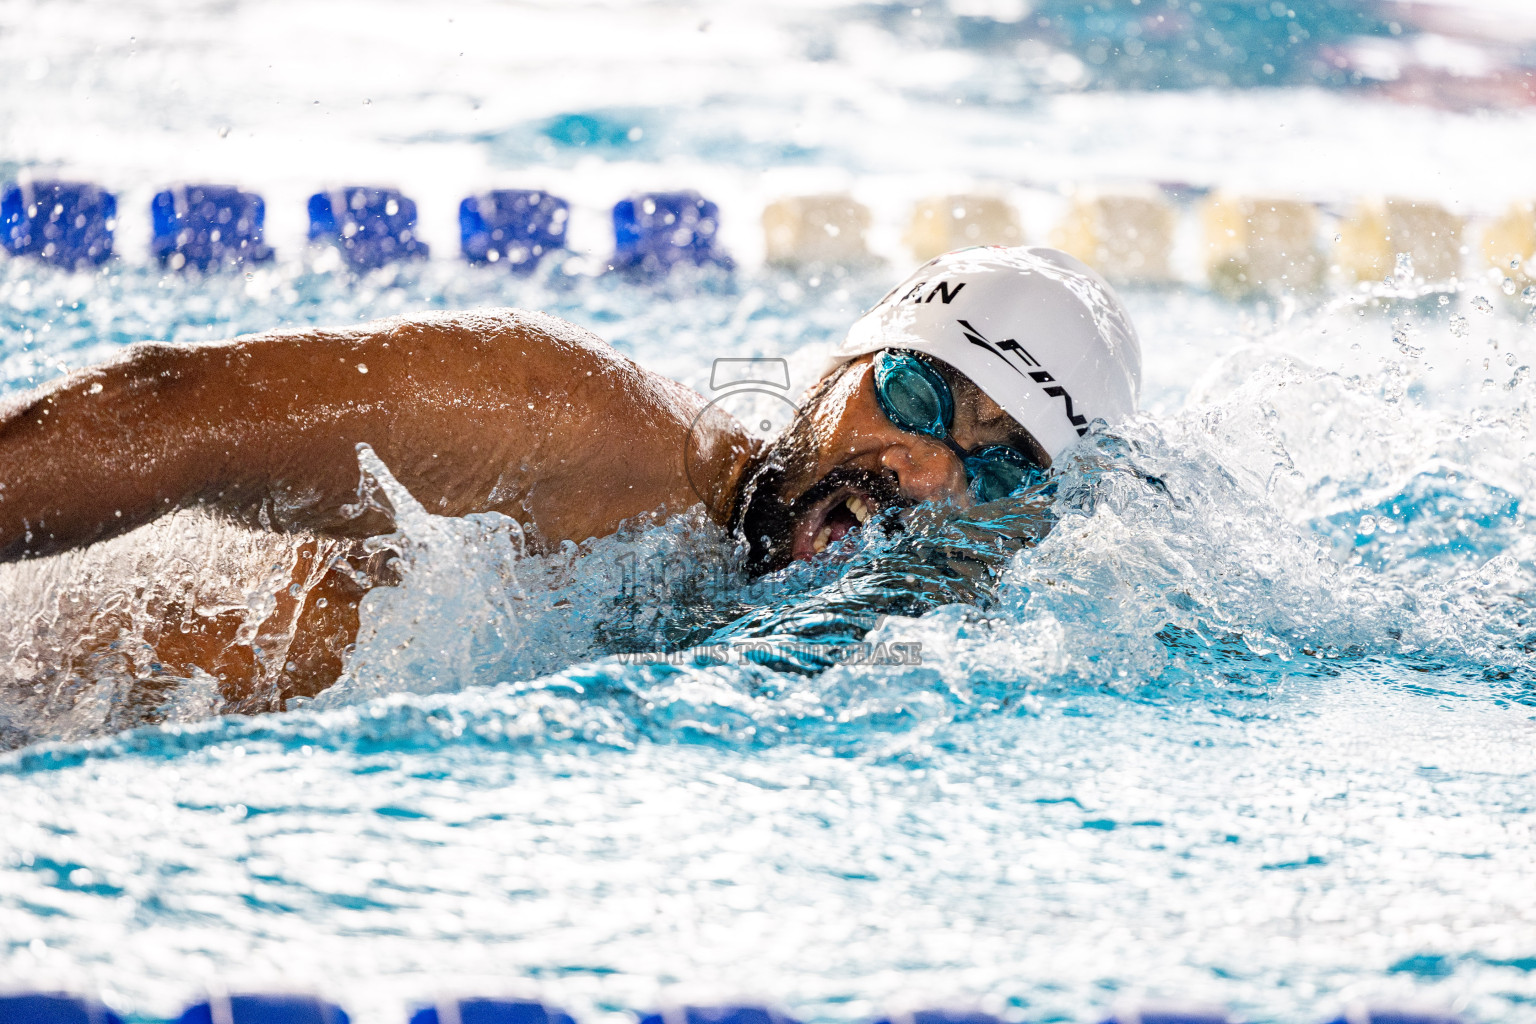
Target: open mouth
[781,531]
[831,519]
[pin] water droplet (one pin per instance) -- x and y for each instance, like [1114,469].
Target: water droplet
[1481,304]
[1459,325]
[362,367]
[1508,286]
[1529,295]
[1514,264]
[1400,339]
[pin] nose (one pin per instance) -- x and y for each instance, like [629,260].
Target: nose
[926,470]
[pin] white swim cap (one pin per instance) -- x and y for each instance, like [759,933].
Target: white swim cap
[1045,337]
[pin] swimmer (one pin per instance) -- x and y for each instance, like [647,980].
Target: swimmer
[963,383]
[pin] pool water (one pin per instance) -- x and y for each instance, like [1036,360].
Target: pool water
[1240,709]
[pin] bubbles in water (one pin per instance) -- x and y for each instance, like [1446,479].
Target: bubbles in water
[1481,304]
[472,608]
[1400,337]
[124,618]
[1290,680]
[1508,287]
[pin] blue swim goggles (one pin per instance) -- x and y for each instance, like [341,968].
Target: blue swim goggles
[915,397]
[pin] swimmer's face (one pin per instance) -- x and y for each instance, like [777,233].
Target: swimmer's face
[841,461]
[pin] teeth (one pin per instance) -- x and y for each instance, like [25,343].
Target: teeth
[858,508]
[822,538]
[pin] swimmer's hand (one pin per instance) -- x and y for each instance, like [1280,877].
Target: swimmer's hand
[500,410]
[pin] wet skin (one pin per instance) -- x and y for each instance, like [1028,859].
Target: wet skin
[842,461]
[501,410]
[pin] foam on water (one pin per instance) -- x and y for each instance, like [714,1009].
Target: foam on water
[1249,723]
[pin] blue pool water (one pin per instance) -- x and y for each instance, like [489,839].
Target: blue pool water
[1253,724]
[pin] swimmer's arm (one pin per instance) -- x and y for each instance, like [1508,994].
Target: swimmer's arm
[514,412]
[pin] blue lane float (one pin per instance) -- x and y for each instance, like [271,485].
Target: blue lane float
[66,223]
[739,1014]
[940,1017]
[371,226]
[657,231]
[518,227]
[57,1008]
[1395,1016]
[206,227]
[1171,1015]
[264,1009]
[490,1011]
[48,1008]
